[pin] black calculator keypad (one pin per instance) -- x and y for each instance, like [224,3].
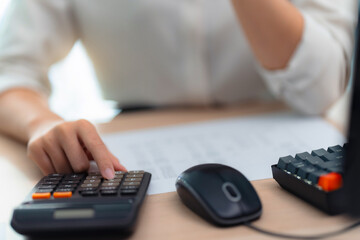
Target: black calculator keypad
[88,185]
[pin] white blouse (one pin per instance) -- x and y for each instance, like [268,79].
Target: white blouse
[184,52]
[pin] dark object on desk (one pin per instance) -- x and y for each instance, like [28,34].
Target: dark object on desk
[346,163]
[82,203]
[315,177]
[218,193]
[352,163]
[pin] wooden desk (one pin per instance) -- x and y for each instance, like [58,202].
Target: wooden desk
[163,216]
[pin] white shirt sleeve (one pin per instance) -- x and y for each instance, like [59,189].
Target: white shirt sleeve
[34,35]
[317,73]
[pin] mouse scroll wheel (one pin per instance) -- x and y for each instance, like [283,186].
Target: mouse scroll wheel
[231,192]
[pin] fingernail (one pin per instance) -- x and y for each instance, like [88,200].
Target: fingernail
[109,173]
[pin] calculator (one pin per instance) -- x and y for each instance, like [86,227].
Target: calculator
[82,202]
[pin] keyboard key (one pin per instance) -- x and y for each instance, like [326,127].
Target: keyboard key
[302,156]
[294,166]
[315,161]
[319,152]
[314,176]
[330,182]
[333,156]
[336,148]
[303,172]
[284,162]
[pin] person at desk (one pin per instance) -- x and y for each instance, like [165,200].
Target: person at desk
[167,53]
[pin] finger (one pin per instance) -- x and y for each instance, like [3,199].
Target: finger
[75,153]
[57,155]
[117,165]
[98,150]
[41,159]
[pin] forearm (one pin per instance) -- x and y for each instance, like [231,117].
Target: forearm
[22,111]
[273,28]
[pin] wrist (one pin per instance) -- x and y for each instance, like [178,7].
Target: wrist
[42,123]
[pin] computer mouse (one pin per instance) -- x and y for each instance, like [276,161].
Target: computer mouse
[218,193]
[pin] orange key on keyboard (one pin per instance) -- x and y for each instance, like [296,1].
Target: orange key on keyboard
[330,181]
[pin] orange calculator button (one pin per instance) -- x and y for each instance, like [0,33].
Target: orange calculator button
[41,195]
[62,194]
[330,181]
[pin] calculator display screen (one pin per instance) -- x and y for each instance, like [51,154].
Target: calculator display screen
[74,213]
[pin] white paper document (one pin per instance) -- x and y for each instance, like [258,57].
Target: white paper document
[250,144]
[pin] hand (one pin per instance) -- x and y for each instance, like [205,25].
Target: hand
[65,147]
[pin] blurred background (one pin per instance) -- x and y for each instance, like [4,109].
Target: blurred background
[78,91]
[81,98]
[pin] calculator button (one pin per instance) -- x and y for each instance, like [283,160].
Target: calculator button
[131,184]
[49,182]
[62,194]
[52,179]
[110,184]
[93,177]
[92,181]
[119,173]
[49,190]
[46,186]
[87,189]
[129,187]
[90,185]
[64,190]
[140,175]
[135,172]
[108,188]
[70,181]
[133,179]
[128,191]
[67,186]
[74,177]
[89,193]
[41,195]
[112,180]
[109,192]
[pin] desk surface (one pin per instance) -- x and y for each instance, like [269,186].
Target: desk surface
[163,216]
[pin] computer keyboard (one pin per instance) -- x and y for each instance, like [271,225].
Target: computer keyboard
[315,177]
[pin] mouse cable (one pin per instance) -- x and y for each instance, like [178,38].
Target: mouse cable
[319,236]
